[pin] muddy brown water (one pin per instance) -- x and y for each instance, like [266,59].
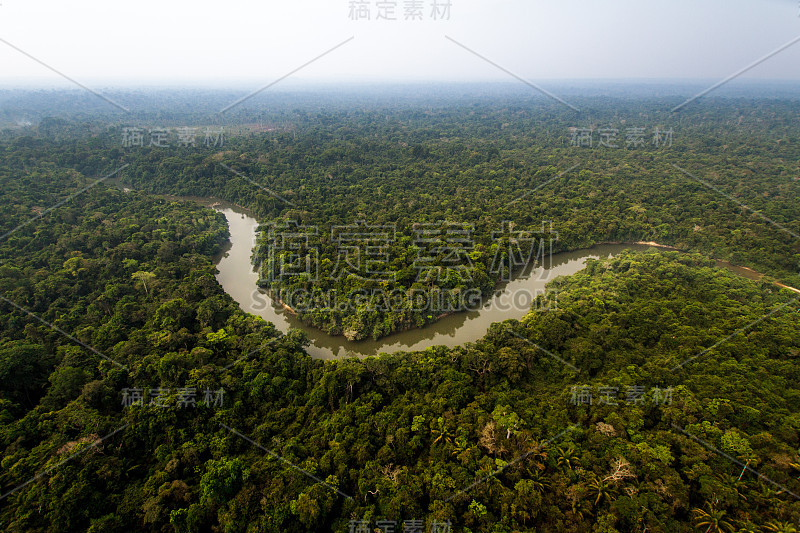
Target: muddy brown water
[512,300]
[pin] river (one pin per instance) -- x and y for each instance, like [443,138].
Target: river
[238,278]
[513,300]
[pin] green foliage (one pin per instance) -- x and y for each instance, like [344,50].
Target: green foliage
[130,275]
[222,479]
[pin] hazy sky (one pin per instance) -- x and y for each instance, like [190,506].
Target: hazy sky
[149,41]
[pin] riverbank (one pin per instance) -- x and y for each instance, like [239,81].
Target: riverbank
[741,271]
[240,281]
[786,287]
[641,243]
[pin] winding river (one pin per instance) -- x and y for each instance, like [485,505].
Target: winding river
[513,300]
[238,278]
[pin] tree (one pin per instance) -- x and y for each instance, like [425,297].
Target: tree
[66,384]
[566,457]
[712,520]
[601,489]
[222,479]
[780,527]
[508,419]
[441,432]
[24,369]
[143,277]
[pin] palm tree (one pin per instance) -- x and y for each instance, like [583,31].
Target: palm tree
[461,445]
[603,490]
[713,520]
[795,467]
[780,527]
[566,457]
[748,527]
[735,483]
[489,474]
[540,482]
[441,433]
[766,496]
[580,509]
[538,454]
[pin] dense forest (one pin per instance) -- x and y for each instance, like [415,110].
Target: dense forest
[660,395]
[725,185]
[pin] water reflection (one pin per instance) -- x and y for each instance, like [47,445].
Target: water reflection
[238,278]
